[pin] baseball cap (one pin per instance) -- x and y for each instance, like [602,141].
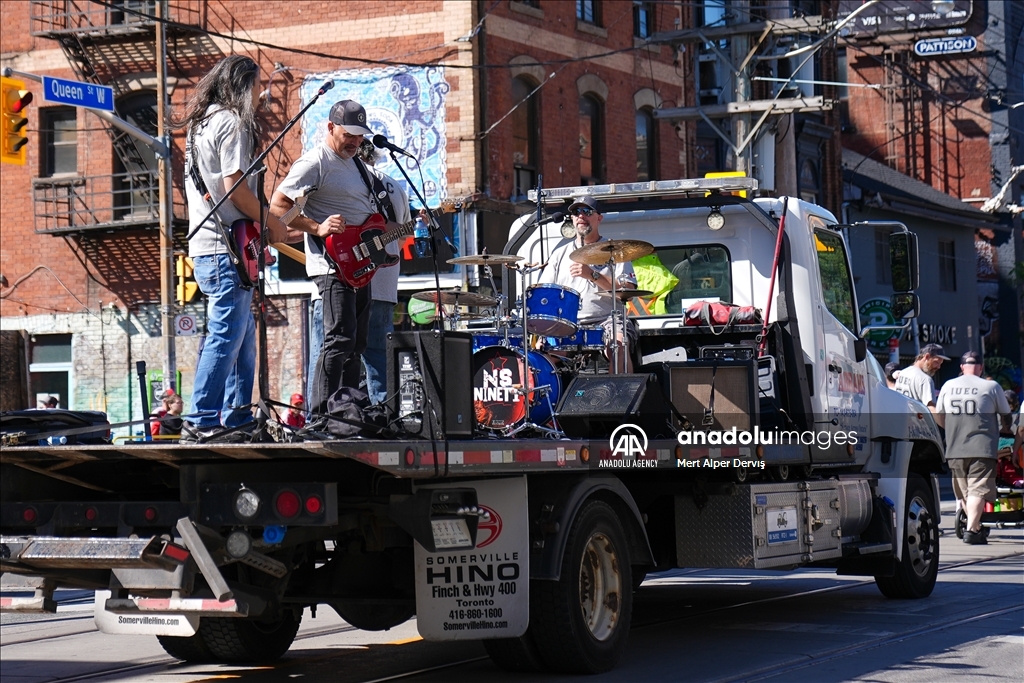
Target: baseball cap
[351,116]
[970,358]
[587,201]
[934,350]
[891,369]
[297,398]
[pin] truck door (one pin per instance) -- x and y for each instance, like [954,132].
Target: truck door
[846,387]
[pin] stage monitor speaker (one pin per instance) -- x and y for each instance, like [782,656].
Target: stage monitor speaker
[690,391]
[429,392]
[594,405]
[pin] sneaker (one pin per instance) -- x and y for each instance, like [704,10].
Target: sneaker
[975,538]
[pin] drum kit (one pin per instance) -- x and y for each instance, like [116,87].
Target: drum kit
[506,403]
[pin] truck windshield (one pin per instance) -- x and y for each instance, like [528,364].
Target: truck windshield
[679,276]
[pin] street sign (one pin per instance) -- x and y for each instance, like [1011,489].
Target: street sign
[78,94]
[185,325]
[949,45]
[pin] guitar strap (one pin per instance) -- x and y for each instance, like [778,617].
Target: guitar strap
[197,179]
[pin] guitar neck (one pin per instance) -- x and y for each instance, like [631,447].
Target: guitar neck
[398,232]
[290,252]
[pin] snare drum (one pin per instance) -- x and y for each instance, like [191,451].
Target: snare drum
[497,371]
[585,339]
[552,310]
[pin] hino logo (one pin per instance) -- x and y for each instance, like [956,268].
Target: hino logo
[628,441]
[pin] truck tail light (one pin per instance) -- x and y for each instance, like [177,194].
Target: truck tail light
[150,514]
[314,505]
[29,515]
[91,514]
[288,504]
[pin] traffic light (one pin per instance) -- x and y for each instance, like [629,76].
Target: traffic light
[15,100]
[187,286]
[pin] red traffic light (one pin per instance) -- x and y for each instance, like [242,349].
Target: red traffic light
[22,99]
[15,100]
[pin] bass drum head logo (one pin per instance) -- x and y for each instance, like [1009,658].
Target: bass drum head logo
[487,532]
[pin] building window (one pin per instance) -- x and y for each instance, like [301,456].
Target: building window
[49,369]
[586,10]
[947,266]
[591,142]
[60,141]
[883,268]
[646,145]
[808,181]
[643,19]
[524,137]
[535,4]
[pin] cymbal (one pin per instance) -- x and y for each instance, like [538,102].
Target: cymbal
[456,297]
[470,316]
[600,253]
[485,259]
[626,294]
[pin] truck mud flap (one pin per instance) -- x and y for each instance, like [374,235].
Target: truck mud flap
[200,607]
[142,622]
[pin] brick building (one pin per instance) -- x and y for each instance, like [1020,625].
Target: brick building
[79,250]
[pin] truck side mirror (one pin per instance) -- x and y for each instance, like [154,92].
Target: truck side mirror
[906,276]
[860,349]
[905,305]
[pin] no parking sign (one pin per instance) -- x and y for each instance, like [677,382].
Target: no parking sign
[185,325]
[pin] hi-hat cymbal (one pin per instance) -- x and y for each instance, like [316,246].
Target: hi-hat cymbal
[485,259]
[455,297]
[600,253]
[626,294]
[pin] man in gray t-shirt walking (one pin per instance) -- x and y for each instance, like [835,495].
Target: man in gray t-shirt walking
[969,408]
[916,380]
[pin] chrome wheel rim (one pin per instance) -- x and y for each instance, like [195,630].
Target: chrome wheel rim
[921,537]
[600,587]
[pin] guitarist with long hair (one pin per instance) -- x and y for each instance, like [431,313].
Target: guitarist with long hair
[222,133]
[336,186]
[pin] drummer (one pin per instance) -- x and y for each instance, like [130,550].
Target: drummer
[589,281]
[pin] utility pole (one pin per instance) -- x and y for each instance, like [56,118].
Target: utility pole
[165,189]
[740,45]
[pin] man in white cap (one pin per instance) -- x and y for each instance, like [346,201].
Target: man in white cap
[916,380]
[337,189]
[969,408]
[591,281]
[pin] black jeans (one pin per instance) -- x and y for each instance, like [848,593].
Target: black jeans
[346,318]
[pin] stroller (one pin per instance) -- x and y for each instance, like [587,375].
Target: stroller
[1008,510]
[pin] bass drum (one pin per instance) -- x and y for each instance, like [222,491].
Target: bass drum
[497,372]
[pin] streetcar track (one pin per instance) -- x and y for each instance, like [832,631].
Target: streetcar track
[757,675]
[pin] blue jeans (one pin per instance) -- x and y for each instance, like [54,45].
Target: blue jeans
[382,321]
[316,344]
[227,366]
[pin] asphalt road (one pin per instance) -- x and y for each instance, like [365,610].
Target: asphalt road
[688,625]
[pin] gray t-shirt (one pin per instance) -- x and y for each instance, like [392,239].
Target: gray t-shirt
[916,383]
[331,185]
[593,308]
[221,149]
[384,285]
[971,406]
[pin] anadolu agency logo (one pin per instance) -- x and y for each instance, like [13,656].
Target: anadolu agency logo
[629,445]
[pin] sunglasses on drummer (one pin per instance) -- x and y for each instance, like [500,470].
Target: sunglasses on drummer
[582,211]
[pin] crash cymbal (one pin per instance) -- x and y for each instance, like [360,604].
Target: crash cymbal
[626,294]
[485,260]
[599,253]
[456,297]
[470,316]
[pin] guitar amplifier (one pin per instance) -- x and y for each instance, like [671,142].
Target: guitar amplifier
[431,393]
[689,388]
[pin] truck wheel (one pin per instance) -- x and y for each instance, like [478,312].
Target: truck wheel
[915,574]
[580,622]
[374,617]
[515,654]
[191,649]
[779,472]
[231,639]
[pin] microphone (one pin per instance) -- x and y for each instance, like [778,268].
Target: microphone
[553,218]
[325,87]
[381,142]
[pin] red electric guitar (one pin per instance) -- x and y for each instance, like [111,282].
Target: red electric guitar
[245,246]
[359,251]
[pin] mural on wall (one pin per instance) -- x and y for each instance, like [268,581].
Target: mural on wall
[405,104]
[988,284]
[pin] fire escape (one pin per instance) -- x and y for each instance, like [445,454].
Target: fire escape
[109,44]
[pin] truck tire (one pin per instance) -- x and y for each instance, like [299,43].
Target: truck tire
[374,617]
[580,622]
[518,655]
[191,649]
[231,639]
[916,572]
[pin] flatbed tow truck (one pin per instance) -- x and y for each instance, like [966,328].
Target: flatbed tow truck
[754,446]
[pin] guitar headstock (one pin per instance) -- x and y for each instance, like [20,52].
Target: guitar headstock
[453,205]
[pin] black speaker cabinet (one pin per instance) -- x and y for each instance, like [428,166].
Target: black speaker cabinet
[594,405]
[689,387]
[431,392]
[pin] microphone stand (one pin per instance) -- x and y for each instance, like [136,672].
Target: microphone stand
[257,166]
